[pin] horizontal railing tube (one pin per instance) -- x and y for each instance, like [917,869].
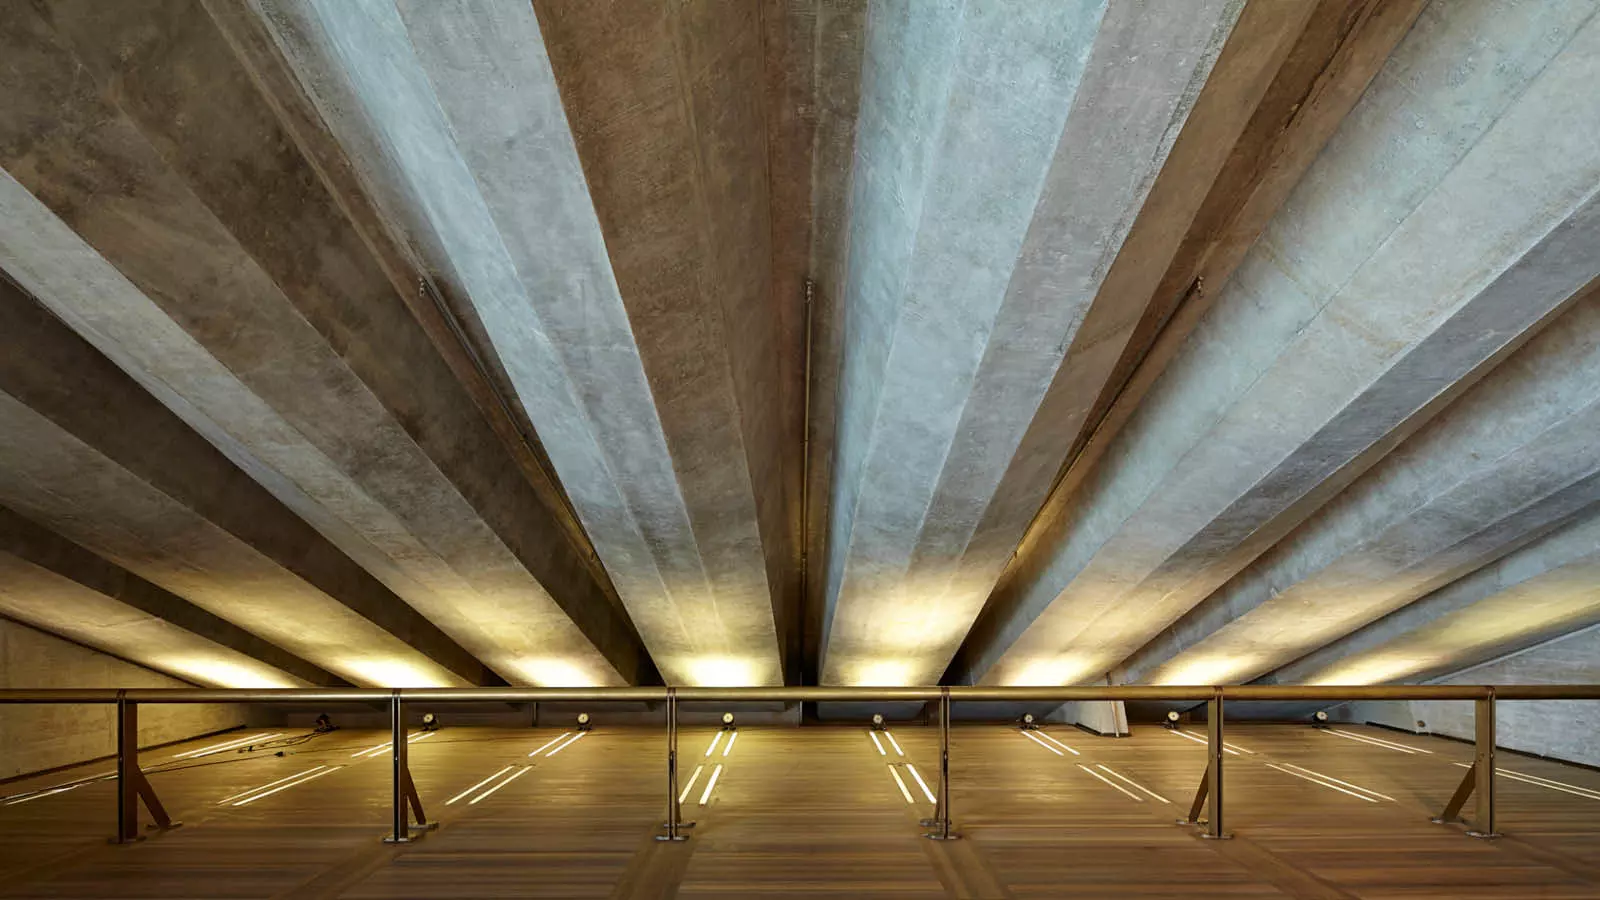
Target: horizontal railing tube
[822,694]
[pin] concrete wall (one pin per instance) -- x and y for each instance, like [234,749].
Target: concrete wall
[1561,729]
[44,737]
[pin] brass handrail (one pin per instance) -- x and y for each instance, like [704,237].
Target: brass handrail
[823,694]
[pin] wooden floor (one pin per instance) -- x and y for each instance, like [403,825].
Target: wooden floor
[814,812]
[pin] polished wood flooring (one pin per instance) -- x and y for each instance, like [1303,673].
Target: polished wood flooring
[813,812]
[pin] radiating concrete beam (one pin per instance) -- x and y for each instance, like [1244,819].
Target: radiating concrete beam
[454,117]
[1500,467]
[1332,338]
[155,202]
[73,397]
[1536,594]
[1000,259]
[56,585]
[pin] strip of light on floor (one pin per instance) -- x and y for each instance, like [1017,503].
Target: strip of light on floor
[1376,742]
[684,794]
[1121,777]
[1052,740]
[227,745]
[894,743]
[711,785]
[43,792]
[904,791]
[921,784]
[1202,741]
[728,747]
[254,797]
[711,749]
[1551,784]
[1312,777]
[1235,749]
[877,743]
[1539,781]
[569,742]
[1035,738]
[509,778]
[1135,797]
[263,787]
[1364,790]
[549,743]
[476,786]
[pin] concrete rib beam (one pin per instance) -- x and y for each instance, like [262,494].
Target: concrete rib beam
[452,113]
[978,243]
[1331,335]
[55,585]
[283,344]
[1534,595]
[1505,464]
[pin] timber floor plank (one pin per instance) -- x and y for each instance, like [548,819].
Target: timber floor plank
[813,812]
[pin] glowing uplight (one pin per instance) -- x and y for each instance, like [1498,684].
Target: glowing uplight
[1209,670]
[391,673]
[883,673]
[222,673]
[1374,670]
[548,672]
[1053,671]
[725,671]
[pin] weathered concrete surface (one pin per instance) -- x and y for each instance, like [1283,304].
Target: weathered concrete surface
[978,240]
[840,40]
[33,738]
[63,380]
[51,583]
[1563,729]
[666,106]
[454,117]
[1337,53]
[1532,595]
[1501,466]
[1330,338]
[51,477]
[284,345]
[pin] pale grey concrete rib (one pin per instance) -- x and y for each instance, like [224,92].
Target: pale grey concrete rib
[208,261]
[1369,294]
[56,604]
[993,188]
[1538,593]
[1503,465]
[55,479]
[452,113]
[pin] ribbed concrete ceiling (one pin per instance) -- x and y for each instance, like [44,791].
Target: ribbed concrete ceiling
[405,342]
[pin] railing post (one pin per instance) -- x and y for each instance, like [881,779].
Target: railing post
[1483,765]
[674,824]
[127,762]
[1215,749]
[132,785]
[941,815]
[400,824]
